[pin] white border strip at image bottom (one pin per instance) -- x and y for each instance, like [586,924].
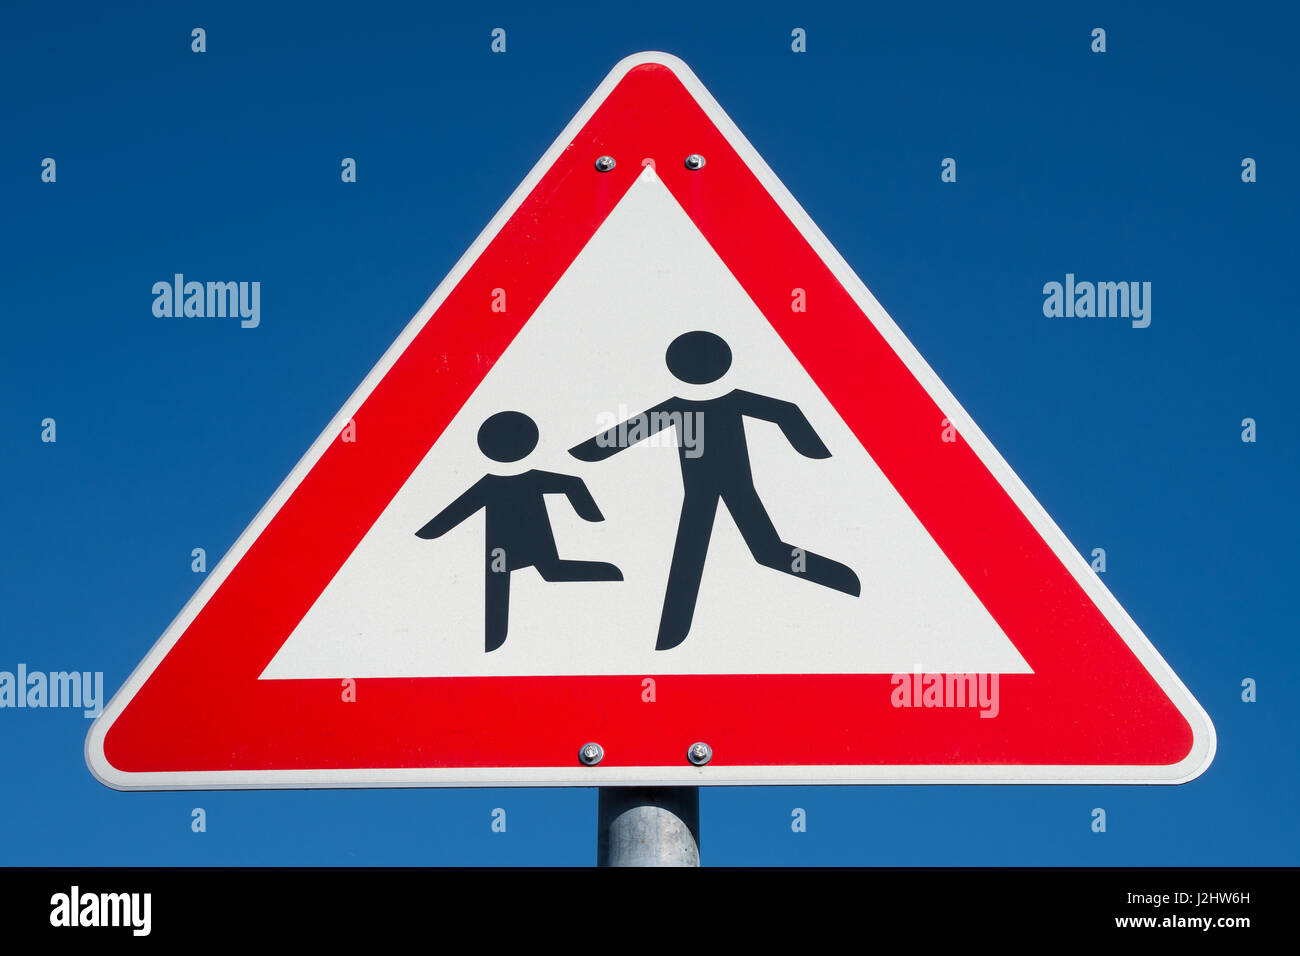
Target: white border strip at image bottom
[785,775]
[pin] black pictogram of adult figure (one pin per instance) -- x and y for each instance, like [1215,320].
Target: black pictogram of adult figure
[717,469]
[518,530]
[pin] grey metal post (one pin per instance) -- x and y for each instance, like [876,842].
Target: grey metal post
[649,826]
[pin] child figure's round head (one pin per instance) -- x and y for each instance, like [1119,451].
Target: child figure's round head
[698,357]
[507,436]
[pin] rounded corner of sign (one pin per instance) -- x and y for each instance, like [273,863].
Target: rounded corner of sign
[105,772]
[97,760]
[1205,744]
[673,63]
[1200,753]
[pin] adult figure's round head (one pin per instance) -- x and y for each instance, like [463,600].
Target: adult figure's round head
[698,357]
[507,436]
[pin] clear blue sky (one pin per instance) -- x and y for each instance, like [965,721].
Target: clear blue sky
[171,434]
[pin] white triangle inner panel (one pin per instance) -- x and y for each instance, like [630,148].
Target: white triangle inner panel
[593,355]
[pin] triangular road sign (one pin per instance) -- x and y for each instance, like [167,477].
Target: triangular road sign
[810,559]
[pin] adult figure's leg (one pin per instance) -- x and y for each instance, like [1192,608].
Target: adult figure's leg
[770,551]
[693,532]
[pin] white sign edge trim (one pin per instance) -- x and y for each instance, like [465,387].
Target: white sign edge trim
[1204,738]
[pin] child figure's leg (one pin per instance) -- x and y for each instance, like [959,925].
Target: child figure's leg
[558,569]
[496,605]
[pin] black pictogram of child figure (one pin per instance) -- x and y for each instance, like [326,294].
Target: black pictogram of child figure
[716,470]
[518,530]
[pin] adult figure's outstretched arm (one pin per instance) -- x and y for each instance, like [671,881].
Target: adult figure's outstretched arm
[456,512]
[787,416]
[614,440]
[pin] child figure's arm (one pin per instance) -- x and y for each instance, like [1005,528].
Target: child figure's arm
[454,513]
[573,489]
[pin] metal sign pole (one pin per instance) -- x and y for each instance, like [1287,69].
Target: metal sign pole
[649,826]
